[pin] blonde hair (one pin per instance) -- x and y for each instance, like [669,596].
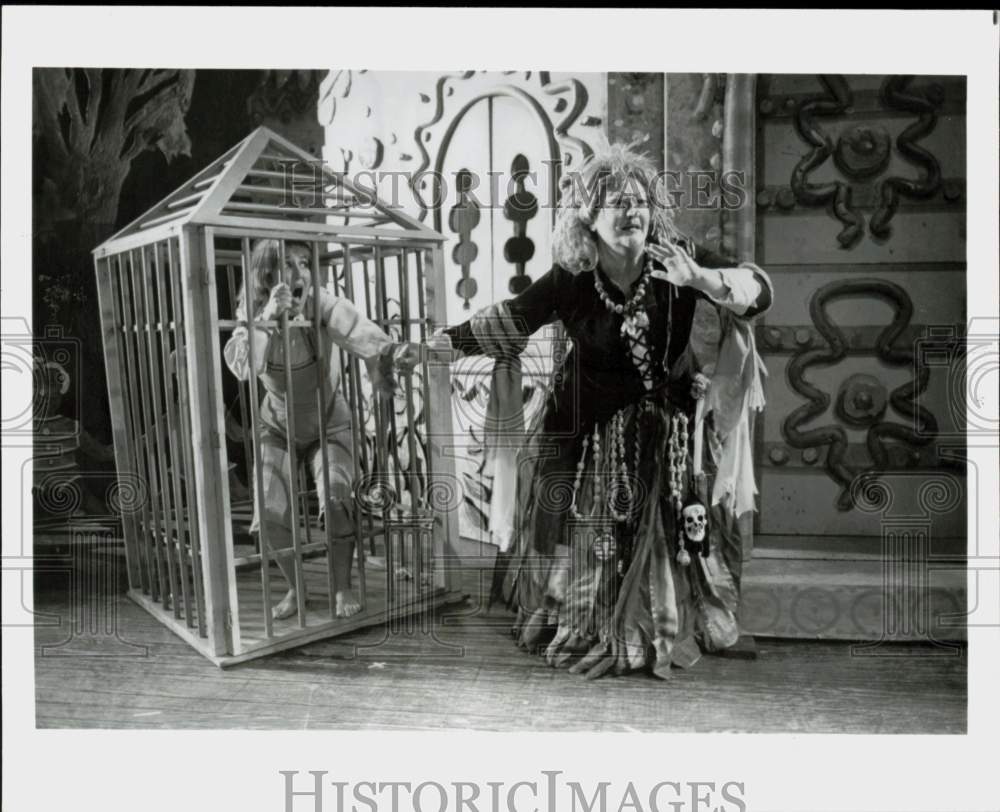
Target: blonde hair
[582,193]
[266,271]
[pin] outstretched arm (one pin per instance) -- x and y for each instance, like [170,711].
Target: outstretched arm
[351,330]
[744,290]
[503,329]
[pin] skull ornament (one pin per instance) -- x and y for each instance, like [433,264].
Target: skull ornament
[695,522]
[696,527]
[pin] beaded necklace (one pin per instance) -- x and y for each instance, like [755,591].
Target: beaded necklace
[620,497]
[580,466]
[635,317]
[677,468]
[620,492]
[619,486]
[603,546]
[619,500]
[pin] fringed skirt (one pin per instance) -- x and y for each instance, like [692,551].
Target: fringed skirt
[596,576]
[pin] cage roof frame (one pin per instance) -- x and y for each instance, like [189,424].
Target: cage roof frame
[209,199]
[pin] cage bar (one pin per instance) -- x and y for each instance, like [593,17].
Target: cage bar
[141,420]
[124,463]
[165,530]
[363,528]
[205,386]
[250,297]
[162,282]
[293,477]
[179,542]
[184,402]
[126,405]
[321,362]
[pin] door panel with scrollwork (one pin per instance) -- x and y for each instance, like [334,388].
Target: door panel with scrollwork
[496,211]
[496,204]
[860,213]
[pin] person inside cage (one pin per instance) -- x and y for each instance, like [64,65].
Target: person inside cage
[611,551]
[281,280]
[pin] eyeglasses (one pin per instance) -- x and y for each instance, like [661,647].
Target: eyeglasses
[626,202]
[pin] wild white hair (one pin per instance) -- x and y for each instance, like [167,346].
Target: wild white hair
[613,168]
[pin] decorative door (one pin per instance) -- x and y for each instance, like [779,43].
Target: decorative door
[496,171]
[496,175]
[481,152]
[860,220]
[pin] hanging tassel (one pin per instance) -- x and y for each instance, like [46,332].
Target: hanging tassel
[683,557]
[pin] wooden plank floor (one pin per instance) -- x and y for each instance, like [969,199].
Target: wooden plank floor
[464,673]
[405,592]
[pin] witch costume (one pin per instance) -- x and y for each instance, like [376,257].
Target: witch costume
[598,567]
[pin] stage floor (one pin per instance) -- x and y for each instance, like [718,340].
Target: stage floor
[460,670]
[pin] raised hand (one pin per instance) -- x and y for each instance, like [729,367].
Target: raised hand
[278,303]
[682,270]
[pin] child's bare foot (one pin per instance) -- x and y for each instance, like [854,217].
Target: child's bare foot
[287,608]
[346,603]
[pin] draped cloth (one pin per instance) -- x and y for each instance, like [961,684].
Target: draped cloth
[641,605]
[736,392]
[504,339]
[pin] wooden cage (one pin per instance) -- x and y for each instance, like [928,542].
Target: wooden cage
[168,286]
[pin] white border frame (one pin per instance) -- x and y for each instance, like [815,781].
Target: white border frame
[129,770]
